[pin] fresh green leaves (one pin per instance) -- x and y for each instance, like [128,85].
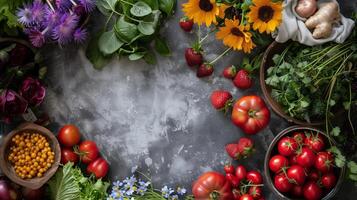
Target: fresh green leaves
[136,28]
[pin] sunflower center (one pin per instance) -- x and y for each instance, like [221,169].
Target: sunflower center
[235,31]
[265,13]
[205,5]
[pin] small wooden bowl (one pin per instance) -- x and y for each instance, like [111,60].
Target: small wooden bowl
[277,48]
[7,167]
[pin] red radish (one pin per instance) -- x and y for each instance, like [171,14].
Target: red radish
[242,80]
[186,24]
[204,70]
[230,72]
[193,57]
[221,99]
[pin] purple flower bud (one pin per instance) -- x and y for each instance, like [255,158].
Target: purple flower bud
[52,18]
[33,91]
[63,5]
[25,15]
[64,31]
[88,5]
[80,35]
[12,104]
[37,37]
[38,11]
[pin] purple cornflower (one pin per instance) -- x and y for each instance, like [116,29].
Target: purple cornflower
[25,15]
[38,11]
[52,18]
[88,5]
[63,5]
[80,35]
[37,37]
[63,32]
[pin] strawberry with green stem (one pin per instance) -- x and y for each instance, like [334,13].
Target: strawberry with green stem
[230,72]
[186,24]
[243,79]
[242,149]
[206,69]
[222,100]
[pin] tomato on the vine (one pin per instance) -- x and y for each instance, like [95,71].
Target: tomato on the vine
[282,183]
[287,146]
[299,137]
[67,155]
[233,180]
[241,172]
[306,157]
[324,161]
[296,174]
[246,197]
[250,114]
[277,163]
[315,141]
[236,194]
[314,175]
[212,185]
[99,168]
[69,135]
[292,160]
[89,151]
[254,177]
[296,191]
[312,191]
[229,169]
[328,180]
[256,192]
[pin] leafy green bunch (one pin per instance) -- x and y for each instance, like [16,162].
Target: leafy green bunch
[136,25]
[8,20]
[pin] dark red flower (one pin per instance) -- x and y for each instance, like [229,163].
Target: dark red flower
[12,104]
[33,91]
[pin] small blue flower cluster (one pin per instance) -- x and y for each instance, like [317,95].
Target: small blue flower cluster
[56,20]
[132,187]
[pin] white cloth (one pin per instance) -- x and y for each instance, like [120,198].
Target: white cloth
[293,27]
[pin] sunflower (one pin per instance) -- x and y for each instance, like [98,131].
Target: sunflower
[222,9]
[236,35]
[265,15]
[201,11]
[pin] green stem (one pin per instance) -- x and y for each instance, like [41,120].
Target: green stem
[220,56]
[121,14]
[126,2]
[108,20]
[349,111]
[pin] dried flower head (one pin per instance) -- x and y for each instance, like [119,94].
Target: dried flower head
[63,32]
[80,35]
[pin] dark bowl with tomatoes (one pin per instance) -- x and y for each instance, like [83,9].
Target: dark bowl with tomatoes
[293,168]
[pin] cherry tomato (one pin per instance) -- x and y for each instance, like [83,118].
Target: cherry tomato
[254,177]
[324,162]
[292,160]
[277,162]
[89,150]
[67,155]
[241,172]
[69,135]
[256,192]
[314,175]
[236,194]
[212,184]
[299,137]
[296,191]
[229,169]
[233,180]
[328,180]
[246,197]
[306,157]
[99,168]
[296,174]
[312,191]
[281,183]
[250,114]
[315,141]
[287,146]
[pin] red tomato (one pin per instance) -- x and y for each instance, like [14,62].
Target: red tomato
[250,114]
[254,177]
[315,141]
[287,146]
[296,174]
[324,162]
[314,175]
[312,191]
[67,155]
[229,169]
[306,157]
[299,137]
[292,160]
[277,162]
[256,192]
[69,135]
[236,194]
[233,180]
[99,168]
[281,183]
[212,185]
[328,180]
[296,191]
[246,197]
[241,172]
[89,150]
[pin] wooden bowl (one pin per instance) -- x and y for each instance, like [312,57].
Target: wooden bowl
[7,167]
[277,48]
[272,150]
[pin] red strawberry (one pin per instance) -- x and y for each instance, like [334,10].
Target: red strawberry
[193,57]
[230,72]
[221,99]
[242,80]
[242,149]
[204,70]
[186,24]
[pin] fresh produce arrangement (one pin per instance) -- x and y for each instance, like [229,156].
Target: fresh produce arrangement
[303,166]
[130,30]
[241,149]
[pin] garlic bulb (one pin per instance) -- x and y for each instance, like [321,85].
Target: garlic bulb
[306,8]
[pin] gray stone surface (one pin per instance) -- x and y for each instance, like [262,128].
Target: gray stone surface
[156,117]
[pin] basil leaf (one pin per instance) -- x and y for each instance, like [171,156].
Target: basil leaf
[126,31]
[94,55]
[136,56]
[167,6]
[106,6]
[108,42]
[154,4]
[140,9]
[146,28]
[161,47]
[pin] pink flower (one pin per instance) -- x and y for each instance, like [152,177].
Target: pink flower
[33,91]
